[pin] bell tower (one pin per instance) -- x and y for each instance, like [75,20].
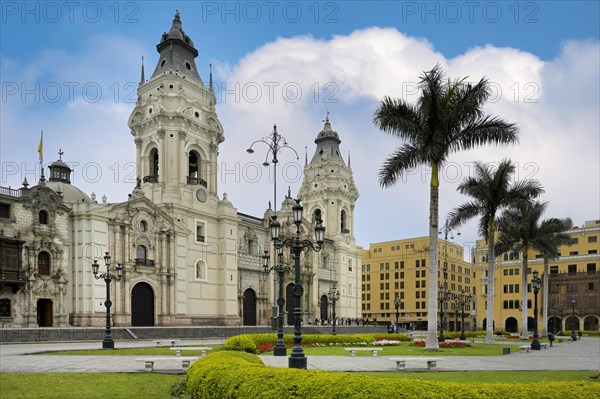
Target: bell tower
[328,188]
[328,191]
[175,126]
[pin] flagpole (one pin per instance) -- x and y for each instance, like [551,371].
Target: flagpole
[41,153]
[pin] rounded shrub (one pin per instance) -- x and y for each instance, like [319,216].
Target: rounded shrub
[241,344]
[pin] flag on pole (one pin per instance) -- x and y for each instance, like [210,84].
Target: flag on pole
[41,145]
[41,152]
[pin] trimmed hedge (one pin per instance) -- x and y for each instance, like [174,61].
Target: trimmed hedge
[228,375]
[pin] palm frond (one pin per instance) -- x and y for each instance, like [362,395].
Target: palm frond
[401,161]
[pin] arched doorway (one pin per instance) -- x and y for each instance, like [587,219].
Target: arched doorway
[142,305]
[44,312]
[571,324]
[512,325]
[530,324]
[289,303]
[323,307]
[554,324]
[249,307]
[590,323]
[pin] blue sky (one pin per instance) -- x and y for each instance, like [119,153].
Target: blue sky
[72,71]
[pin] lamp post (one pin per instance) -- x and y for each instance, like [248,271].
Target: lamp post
[441,300]
[536,283]
[397,302]
[573,302]
[456,309]
[463,299]
[108,342]
[445,293]
[275,143]
[280,269]
[333,295]
[297,245]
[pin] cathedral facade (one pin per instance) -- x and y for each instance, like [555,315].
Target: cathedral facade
[189,257]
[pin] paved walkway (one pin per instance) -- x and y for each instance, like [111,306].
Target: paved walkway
[580,355]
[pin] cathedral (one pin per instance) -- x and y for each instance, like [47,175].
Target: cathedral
[188,256]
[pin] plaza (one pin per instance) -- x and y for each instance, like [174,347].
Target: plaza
[579,355]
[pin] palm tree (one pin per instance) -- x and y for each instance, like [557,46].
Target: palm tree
[521,230]
[448,117]
[548,247]
[491,191]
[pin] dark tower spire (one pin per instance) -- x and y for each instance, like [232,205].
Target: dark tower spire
[177,53]
[143,77]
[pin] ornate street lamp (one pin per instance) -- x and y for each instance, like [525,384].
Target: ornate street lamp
[573,302]
[275,143]
[441,295]
[397,302]
[108,342]
[456,309]
[444,292]
[297,245]
[280,269]
[536,283]
[333,295]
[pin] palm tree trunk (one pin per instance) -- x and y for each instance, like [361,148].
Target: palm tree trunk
[524,329]
[489,325]
[545,300]
[431,340]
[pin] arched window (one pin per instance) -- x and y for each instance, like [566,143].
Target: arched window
[506,256]
[44,263]
[154,162]
[194,164]
[317,215]
[43,217]
[141,252]
[343,225]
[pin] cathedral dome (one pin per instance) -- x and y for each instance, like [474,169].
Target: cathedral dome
[71,194]
[60,182]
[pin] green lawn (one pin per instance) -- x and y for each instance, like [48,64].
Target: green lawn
[123,351]
[491,376]
[86,385]
[157,386]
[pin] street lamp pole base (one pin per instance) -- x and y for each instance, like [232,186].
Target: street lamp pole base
[463,337]
[535,344]
[297,363]
[108,343]
[280,351]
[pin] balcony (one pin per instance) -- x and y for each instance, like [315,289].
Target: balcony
[151,179]
[10,263]
[196,181]
[145,262]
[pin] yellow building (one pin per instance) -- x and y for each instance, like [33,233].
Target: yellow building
[399,269]
[575,271]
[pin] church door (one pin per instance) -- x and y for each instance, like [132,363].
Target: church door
[324,305]
[289,303]
[44,312]
[142,305]
[249,308]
